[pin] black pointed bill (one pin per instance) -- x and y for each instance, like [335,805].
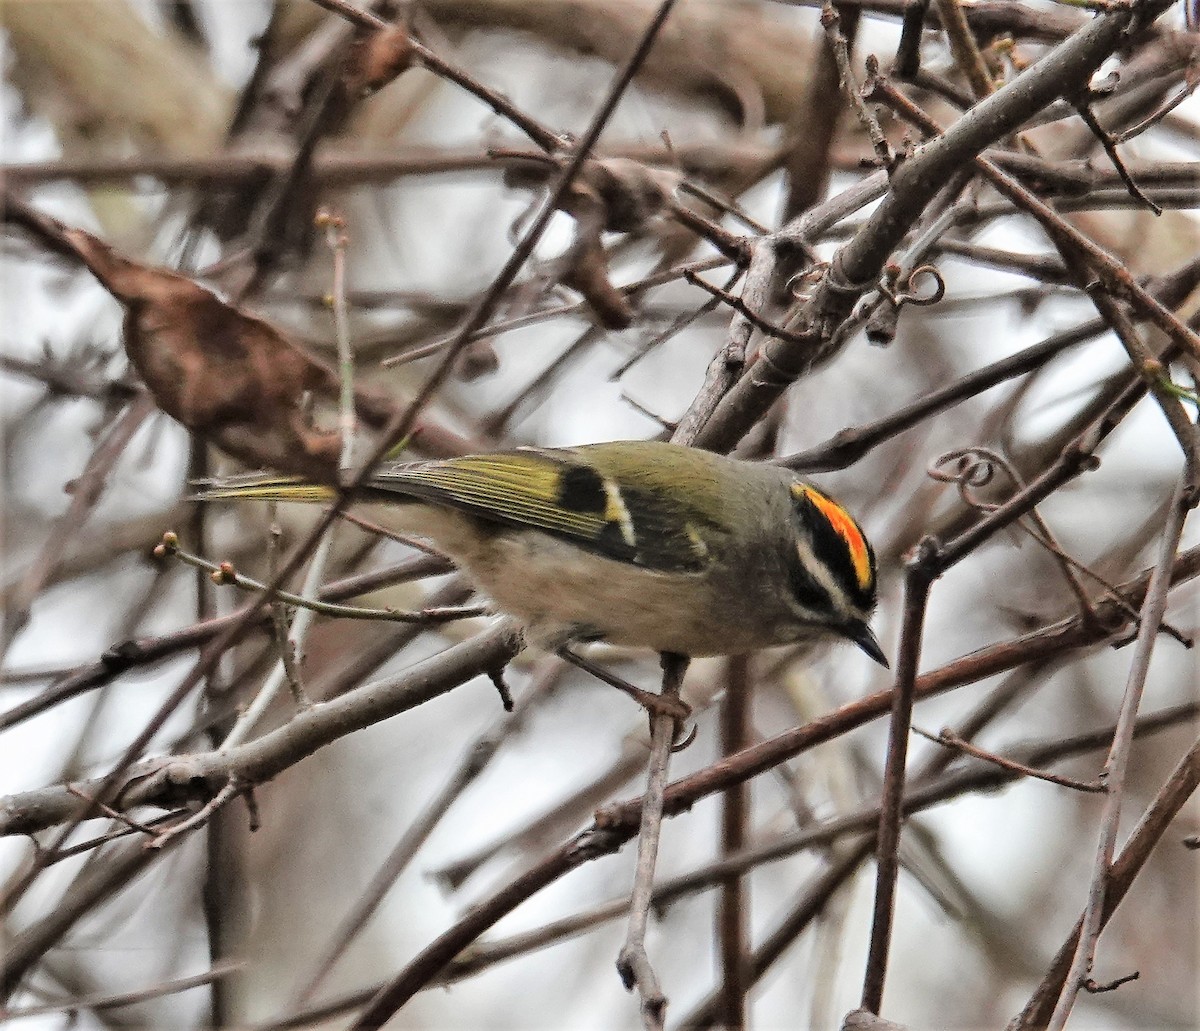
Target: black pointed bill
[862,635]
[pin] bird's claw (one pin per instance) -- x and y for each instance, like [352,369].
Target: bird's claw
[680,713]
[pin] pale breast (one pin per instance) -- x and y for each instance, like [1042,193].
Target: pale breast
[559,594]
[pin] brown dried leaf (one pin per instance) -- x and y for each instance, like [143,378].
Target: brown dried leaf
[216,369]
[376,59]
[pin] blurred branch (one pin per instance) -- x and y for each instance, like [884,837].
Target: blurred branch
[99,882]
[107,1002]
[1153,608]
[85,492]
[1154,822]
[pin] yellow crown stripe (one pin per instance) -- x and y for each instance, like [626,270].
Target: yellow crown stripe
[846,528]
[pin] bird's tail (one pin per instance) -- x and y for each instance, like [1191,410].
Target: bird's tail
[263,487]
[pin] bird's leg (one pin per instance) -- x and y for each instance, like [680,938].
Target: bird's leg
[654,704]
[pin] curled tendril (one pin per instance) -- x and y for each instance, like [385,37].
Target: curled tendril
[799,283]
[909,290]
[683,740]
[970,468]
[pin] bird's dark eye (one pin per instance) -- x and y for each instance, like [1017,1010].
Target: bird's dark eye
[805,588]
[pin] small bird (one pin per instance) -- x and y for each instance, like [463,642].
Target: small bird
[637,543]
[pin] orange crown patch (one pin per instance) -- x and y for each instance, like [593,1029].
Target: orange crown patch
[846,528]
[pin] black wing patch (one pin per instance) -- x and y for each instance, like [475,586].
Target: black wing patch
[581,489]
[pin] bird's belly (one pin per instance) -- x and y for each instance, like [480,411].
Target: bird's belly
[559,593]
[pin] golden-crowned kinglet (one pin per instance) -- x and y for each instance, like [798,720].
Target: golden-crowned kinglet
[637,543]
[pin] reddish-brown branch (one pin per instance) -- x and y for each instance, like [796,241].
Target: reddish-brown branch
[920,570]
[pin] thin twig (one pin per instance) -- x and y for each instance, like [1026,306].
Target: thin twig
[1158,816]
[337,240]
[732,922]
[633,963]
[955,743]
[964,48]
[132,654]
[225,573]
[1191,81]
[1153,609]
[1154,372]
[279,614]
[831,23]
[125,818]
[739,305]
[540,135]
[921,568]
[1110,148]
[205,813]
[89,1003]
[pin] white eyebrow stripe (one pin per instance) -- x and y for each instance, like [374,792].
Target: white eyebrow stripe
[819,571]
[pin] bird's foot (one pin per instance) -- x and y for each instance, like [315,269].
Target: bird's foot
[655,704]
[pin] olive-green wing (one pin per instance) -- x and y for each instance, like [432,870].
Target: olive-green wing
[561,496]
